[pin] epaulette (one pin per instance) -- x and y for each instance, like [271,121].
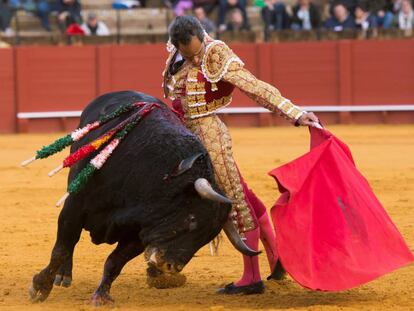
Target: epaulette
[216,60]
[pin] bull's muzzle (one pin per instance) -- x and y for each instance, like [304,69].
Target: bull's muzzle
[162,274]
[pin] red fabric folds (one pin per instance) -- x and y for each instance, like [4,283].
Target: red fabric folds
[332,232]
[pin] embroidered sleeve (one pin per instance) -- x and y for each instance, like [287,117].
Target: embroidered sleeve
[168,82]
[261,92]
[216,61]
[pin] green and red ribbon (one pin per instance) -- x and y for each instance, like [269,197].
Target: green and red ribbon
[76,135]
[119,133]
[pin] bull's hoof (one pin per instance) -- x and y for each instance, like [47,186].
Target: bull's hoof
[58,280]
[103,299]
[67,281]
[40,289]
[37,295]
[64,281]
[166,280]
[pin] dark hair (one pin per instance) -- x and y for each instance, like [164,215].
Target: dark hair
[183,28]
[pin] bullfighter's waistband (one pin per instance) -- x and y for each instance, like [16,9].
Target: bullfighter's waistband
[197,109]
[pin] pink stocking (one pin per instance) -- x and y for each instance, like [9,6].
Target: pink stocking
[251,273]
[268,238]
[267,235]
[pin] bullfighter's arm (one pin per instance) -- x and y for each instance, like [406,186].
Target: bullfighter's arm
[221,63]
[261,92]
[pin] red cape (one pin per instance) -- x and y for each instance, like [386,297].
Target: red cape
[332,232]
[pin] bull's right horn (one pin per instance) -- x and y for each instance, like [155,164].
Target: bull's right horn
[205,191]
[236,240]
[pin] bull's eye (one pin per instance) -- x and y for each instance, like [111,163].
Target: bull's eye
[192,223]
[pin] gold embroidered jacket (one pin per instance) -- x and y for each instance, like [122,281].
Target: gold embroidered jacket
[207,88]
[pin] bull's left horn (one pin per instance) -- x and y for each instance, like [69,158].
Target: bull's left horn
[237,241]
[205,191]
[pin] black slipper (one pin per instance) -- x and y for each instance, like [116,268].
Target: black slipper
[252,289]
[278,272]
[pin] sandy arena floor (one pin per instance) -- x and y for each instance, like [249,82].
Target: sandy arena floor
[384,154]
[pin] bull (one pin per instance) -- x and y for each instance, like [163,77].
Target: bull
[155,195]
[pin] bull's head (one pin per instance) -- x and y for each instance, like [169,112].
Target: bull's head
[199,215]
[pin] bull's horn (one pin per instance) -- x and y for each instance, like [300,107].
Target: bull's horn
[153,257]
[236,240]
[205,191]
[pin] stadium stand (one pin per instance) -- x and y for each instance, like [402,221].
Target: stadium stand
[149,25]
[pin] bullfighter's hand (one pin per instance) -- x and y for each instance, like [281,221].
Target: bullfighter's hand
[307,119]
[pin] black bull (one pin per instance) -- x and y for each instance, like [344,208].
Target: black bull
[143,199]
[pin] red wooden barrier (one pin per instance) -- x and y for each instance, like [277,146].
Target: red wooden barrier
[55,79]
[383,72]
[309,73]
[7,92]
[131,67]
[306,73]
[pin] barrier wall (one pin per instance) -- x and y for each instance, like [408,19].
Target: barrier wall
[7,92]
[347,73]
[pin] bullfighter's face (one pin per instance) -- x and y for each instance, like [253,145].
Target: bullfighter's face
[193,52]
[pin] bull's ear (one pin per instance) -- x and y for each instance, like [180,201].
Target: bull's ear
[186,164]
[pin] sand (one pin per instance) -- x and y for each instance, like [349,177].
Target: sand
[384,154]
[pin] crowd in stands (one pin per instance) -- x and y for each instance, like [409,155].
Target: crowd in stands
[68,13]
[228,15]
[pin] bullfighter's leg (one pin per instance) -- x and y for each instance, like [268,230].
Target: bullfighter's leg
[69,230]
[124,252]
[267,233]
[64,273]
[216,139]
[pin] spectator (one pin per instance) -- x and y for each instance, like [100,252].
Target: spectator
[236,22]
[207,5]
[404,19]
[6,15]
[181,6]
[226,6]
[94,27]
[385,14]
[43,10]
[40,8]
[127,4]
[274,15]
[305,16]
[364,19]
[207,24]
[341,19]
[350,5]
[396,5]
[3,44]
[69,12]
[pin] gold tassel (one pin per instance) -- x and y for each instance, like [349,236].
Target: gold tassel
[214,87]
